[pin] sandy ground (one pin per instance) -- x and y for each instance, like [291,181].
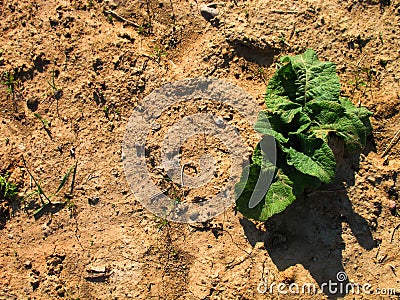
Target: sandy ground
[84,70]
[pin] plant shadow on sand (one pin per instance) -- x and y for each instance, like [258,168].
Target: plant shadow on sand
[309,231]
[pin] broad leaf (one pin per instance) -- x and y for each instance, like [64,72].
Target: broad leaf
[316,158]
[279,196]
[361,112]
[332,117]
[264,126]
[302,79]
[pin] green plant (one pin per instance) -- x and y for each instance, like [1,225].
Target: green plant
[46,124]
[303,111]
[56,92]
[141,29]
[71,206]
[157,54]
[8,193]
[10,80]
[108,110]
[144,28]
[45,200]
[8,190]
[161,223]
[261,74]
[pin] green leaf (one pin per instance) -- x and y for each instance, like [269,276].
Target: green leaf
[65,178]
[315,79]
[282,91]
[260,159]
[353,131]
[300,123]
[333,117]
[324,111]
[300,181]
[302,79]
[278,197]
[361,112]
[8,190]
[263,126]
[37,211]
[316,158]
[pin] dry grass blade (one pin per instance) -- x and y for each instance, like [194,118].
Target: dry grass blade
[394,231]
[392,143]
[114,14]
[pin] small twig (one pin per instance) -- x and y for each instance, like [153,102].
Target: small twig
[159,194]
[91,176]
[147,55]
[392,143]
[233,264]
[377,252]
[114,14]
[394,230]
[326,191]
[360,60]
[282,12]
[393,270]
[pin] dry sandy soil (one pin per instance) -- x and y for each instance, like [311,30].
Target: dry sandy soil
[103,244]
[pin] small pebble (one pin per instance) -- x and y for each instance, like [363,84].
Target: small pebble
[259,245]
[155,126]
[110,126]
[392,205]
[208,12]
[220,122]
[72,152]
[28,264]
